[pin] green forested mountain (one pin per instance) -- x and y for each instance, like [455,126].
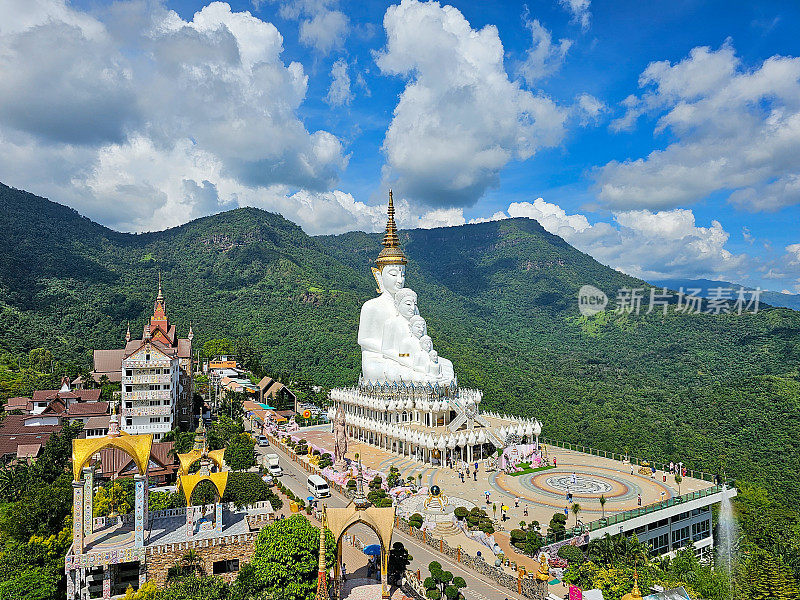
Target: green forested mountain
[718,392]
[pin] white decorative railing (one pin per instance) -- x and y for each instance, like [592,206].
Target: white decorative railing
[148,428]
[148,378]
[147,395]
[147,411]
[141,364]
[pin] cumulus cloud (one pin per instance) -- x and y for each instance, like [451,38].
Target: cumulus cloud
[460,119]
[339,92]
[736,131]
[645,244]
[543,57]
[141,120]
[322,26]
[579,9]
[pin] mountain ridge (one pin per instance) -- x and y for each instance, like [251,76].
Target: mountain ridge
[500,299]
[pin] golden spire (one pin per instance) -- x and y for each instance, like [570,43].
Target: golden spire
[391,254]
[160,295]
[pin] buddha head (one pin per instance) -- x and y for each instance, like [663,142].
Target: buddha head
[391,278]
[418,326]
[405,300]
[425,342]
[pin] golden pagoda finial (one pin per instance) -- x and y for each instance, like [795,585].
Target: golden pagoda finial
[391,254]
[160,295]
[635,594]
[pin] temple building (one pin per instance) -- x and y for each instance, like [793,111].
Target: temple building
[156,376]
[408,399]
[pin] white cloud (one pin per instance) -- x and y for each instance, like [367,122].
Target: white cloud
[142,120]
[322,26]
[460,119]
[339,93]
[579,9]
[543,57]
[645,244]
[736,131]
[588,109]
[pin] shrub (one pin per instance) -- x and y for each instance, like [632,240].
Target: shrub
[517,535]
[460,512]
[572,554]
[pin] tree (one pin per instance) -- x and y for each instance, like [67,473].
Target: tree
[239,453]
[182,441]
[286,556]
[576,508]
[222,431]
[572,554]
[112,498]
[233,405]
[217,347]
[603,504]
[678,480]
[442,583]
[190,564]
[245,489]
[399,559]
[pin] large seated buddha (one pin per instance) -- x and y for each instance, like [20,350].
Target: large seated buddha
[390,330]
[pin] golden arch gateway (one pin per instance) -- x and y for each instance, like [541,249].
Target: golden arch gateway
[380,520]
[138,448]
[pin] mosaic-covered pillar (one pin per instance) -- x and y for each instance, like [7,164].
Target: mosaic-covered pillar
[138,515]
[385,592]
[106,582]
[142,571]
[88,500]
[77,517]
[218,517]
[189,522]
[70,573]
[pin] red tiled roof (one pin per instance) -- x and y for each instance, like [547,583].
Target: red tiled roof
[107,362]
[84,409]
[28,450]
[80,395]
[99,422]
[14,432]
[114,461]
[18,403]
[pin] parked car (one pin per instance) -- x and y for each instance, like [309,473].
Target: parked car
[262,440]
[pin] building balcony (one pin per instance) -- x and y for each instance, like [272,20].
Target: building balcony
[147,395]
[147,378]
[147,411]
[146,364]
[147,428]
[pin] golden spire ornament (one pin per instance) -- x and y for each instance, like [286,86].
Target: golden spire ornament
[391,254]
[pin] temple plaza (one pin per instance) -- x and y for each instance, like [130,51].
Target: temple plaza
[663,519]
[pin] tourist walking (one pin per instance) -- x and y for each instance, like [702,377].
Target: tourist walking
[574,478]
[525,512]
[475,475]
[639,500]
[555,462]
[516,502]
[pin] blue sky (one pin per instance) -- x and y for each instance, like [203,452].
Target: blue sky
[661,138]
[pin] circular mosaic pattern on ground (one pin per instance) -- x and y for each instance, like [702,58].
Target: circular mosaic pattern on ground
[587,485]
[582,484]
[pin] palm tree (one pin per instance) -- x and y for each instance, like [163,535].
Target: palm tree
[603,505]
[576,508]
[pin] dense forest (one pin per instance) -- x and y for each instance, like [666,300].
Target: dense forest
[718,392]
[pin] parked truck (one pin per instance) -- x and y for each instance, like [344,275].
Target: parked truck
[273,466]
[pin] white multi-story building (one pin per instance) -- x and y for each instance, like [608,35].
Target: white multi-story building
[156,376]
[149,389]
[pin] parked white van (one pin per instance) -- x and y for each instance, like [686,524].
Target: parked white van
[318,487]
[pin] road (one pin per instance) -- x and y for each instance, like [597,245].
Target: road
[478,588]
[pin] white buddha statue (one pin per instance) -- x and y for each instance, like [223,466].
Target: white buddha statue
[390,276]
[399,344]
[390,329]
